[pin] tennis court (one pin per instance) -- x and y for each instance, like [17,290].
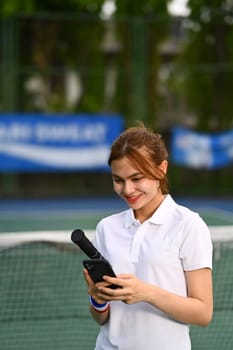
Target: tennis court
[44,304]
[31,215]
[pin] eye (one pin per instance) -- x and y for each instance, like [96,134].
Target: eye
[117,180]
[138,178]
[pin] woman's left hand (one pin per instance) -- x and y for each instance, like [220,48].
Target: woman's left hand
[131,290]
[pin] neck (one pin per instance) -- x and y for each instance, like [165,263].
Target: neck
[146,212]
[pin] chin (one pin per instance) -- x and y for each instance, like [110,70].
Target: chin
[135,206]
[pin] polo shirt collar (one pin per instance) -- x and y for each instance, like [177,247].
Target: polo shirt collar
[159,217]
[130,218]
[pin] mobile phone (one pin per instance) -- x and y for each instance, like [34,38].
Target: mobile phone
[97,268]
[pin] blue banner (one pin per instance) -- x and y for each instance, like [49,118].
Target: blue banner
[200,150]
[37,142]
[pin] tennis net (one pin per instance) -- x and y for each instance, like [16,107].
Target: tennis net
[43,299]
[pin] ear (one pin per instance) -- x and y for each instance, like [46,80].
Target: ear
[163,166]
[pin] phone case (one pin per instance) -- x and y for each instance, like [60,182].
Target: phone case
[97,268]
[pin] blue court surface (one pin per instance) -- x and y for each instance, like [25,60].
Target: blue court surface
[67,214]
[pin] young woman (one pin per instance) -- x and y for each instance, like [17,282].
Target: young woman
[160,251]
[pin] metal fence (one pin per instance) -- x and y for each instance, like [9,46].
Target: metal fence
[130,66]
[68,64]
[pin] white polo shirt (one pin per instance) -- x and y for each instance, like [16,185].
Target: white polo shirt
[173,240]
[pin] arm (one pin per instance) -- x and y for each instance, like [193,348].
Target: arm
[196,308]
[99,317]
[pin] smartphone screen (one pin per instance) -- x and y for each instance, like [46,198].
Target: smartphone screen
[97,268]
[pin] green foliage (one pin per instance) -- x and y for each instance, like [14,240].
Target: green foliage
[13,7]
[140,8]
[207,61]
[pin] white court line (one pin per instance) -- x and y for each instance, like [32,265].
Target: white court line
[9,239]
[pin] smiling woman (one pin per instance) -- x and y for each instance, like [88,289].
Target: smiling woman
[160,251]
[145,151]
[140,192]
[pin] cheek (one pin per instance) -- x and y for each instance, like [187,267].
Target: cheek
[116,188]
[152,187]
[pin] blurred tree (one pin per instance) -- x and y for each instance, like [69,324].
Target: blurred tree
[141,8]
[45,39]
[148,26]
[52,46]
[207,77]
[51,43]
[12,7]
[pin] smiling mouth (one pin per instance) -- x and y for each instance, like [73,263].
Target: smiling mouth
[132,200]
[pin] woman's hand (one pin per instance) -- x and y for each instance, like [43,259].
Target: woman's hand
[131,290]
[195,308]
[93,288]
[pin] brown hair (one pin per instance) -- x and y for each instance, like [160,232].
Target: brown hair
[145,150]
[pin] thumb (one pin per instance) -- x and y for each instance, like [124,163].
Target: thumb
[125,276]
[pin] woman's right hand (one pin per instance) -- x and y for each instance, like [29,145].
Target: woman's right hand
[92,288]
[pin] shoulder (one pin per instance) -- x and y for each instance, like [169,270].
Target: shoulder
[108,231]
[118,219]
[186,215]
[195,245]
[194,230]
[189,224]
[182,214]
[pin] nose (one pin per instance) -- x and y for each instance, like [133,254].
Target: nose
[128,187]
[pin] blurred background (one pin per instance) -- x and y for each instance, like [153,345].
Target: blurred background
[168,64]
[73,75]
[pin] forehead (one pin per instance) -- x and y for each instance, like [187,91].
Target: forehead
[123,167]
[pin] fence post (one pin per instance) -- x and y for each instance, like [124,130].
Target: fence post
[139,83]
[9,69]
[9,89]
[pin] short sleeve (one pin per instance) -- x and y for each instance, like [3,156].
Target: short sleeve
[196,249]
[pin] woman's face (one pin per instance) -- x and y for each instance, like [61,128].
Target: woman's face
[142,194]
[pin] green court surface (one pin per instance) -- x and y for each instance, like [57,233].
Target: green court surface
[44,302]
[53,221]
[67,215]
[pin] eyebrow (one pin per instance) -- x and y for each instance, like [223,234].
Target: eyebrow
[129,177]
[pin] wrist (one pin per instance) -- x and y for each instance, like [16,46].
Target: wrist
[103,307]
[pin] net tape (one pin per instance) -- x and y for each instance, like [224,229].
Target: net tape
[10,239]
